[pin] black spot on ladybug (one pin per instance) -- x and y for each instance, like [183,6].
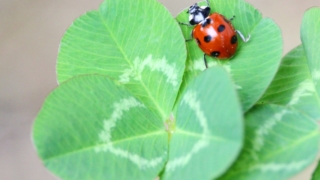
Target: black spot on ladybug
[221,28]
[207,38]
[206,22]
[234,39]
[215,53]
[198,41]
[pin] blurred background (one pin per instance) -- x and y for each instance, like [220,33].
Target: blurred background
[30,32]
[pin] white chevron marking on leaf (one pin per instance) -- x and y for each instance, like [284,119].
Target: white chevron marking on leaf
[292,166]
[198,65]
[105,135]
[125,77]
[258,141]
[160,65]
[316,75]
[183,160]
[305,89]
[190,99]
[119,108]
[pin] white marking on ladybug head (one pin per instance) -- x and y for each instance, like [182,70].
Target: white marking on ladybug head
[196,18]
[198,14]
[203,7]
[193,8]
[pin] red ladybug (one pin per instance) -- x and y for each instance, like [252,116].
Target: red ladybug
[214,33]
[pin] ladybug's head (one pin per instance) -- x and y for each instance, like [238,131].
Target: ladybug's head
[198,13]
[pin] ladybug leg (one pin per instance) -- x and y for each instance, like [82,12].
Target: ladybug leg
[208,3]
[186,24]
[232,18]
[191,37]
[205,61]
[244,39]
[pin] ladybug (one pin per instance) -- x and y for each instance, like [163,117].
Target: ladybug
[214,33]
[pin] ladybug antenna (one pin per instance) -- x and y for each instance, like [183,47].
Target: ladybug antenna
[208,3]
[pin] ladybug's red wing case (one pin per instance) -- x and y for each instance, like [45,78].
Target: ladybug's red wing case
[216,36]
[214,33]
